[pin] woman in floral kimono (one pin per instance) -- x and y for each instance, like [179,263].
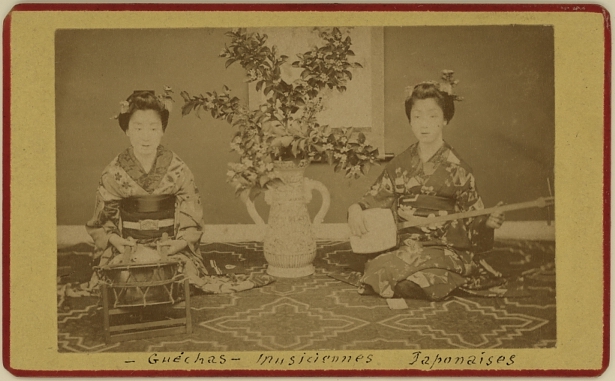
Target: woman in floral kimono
[147,196]
[429,178]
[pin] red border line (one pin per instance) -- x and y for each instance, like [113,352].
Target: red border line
[606,220]
[6,192]
[6,176]
[592,8]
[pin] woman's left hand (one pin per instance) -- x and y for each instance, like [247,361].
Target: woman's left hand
[174,245]
[496,219]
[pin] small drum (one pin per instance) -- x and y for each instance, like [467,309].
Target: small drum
[142,279]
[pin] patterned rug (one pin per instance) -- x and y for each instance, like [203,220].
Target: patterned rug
[320,312]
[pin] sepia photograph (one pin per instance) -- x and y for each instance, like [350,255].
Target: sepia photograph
[315,195]
[210,146]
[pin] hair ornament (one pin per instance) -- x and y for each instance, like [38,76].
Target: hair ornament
[445,87]
[449,84]
[408,91]
[165,99]
[124,107]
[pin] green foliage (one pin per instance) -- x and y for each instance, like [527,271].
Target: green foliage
[285,126]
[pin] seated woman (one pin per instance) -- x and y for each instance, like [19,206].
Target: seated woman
[147,196]
[429,178]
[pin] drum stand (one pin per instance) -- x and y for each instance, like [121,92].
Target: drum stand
[144,330]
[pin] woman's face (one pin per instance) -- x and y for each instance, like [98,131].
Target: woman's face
[427,120]
[145,131]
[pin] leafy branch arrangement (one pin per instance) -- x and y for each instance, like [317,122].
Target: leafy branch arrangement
[285,126]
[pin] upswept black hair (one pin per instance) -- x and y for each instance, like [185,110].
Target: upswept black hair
[430,90]
[143,100]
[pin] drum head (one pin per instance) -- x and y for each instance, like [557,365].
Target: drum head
[145,254]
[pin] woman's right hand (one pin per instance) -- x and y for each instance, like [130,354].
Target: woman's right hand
[120,243]
[356,220]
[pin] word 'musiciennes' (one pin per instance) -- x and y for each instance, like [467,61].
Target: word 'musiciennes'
[313,358]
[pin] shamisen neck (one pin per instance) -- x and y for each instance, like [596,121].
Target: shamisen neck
[427,150]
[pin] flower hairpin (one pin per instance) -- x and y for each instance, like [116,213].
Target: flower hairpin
[124,107]
[165,99]
[445,87]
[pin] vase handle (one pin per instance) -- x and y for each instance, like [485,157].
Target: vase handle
[258,220]
[311,185]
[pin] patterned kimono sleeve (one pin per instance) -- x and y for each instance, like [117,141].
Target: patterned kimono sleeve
[106,219]
[481,237]
[189,211]
[381,194]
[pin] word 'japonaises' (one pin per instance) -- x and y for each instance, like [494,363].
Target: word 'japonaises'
[418,359]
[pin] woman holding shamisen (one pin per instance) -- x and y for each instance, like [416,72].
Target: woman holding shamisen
[429,178]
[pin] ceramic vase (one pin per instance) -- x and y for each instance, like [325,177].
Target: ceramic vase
[289,242]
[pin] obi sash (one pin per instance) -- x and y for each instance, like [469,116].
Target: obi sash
[148,217]
[424,205]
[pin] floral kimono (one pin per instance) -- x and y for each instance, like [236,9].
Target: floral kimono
[124,179]
[439,257]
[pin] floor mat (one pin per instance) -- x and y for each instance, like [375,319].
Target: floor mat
[320,312]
